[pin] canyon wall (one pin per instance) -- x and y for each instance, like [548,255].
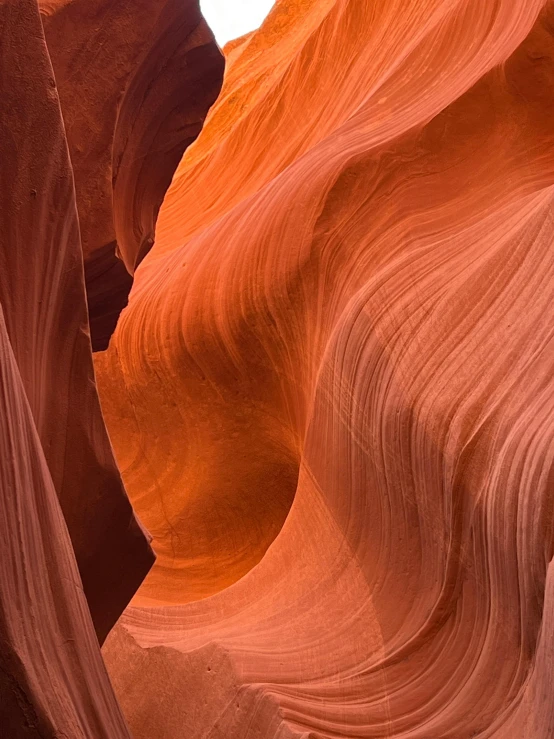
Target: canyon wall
[136,80]
[331,393]
[72,552]
[52,440]
[330,397]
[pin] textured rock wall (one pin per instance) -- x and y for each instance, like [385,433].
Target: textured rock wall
[71,550]
[347,318]
[44,306]
[136,80]
[52,439]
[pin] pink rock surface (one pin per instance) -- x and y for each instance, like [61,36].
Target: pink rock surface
[53,681]
[136,80]
[356,305]
[53,444]
[43,300]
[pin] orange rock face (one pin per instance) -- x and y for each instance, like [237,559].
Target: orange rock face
[330,397]
[331,394]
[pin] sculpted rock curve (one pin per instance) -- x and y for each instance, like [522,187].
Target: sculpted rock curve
[136,81]
[331,394]
[60,489]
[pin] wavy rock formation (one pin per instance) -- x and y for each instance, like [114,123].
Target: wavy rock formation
[331,394]
[136,80]
[72,552]
[53,681]
[44,306]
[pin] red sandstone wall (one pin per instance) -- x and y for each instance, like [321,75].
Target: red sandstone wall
[330,396]
[71,550]
[349,301]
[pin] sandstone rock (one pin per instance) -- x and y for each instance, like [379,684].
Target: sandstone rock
[136,80]
[350,300]
[43,301]
[53,445]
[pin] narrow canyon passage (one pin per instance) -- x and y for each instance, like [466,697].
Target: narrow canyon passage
[276,369]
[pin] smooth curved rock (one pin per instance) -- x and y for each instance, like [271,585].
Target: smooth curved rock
[136,80]
[53,681]
[53,444]
[357,304]
[43,300]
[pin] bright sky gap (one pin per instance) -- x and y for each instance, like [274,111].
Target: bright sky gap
[230,19]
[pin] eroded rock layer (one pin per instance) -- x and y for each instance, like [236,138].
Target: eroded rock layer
[136,80]
[53,445]
[43,301]
[72,552]
[350,301]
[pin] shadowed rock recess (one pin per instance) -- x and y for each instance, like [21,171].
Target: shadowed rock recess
[330,396]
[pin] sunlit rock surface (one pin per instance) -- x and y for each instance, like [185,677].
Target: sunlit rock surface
[331,395]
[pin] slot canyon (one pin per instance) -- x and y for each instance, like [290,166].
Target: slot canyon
[277,371]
